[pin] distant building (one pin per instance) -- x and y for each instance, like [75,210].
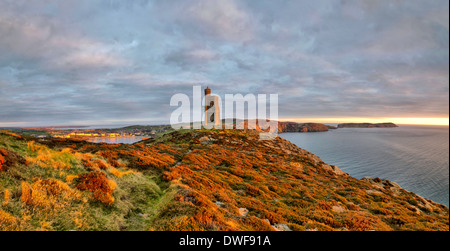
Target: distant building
[212,109]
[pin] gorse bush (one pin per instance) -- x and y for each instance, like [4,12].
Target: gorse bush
[2,160]
[146,158]
[8,222]
[97,183]
[48,195]
[6,196]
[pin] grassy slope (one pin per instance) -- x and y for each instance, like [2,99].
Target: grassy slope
[195,180]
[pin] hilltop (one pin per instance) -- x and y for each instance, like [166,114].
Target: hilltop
[195,180]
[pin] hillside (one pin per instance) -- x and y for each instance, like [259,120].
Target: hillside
[195,180]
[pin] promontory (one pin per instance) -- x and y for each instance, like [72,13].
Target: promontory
[366,125]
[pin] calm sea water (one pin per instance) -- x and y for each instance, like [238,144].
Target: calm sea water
[416,157]
[117,140]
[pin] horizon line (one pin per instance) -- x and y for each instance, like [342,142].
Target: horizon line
[440,121]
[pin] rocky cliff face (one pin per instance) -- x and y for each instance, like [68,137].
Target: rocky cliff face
[365,125]
[289,126]
[302,127]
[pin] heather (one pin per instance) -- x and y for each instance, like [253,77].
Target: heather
[195,180]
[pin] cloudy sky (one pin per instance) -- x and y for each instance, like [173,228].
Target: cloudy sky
[85,62]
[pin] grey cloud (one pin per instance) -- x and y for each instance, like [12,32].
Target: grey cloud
[107,60]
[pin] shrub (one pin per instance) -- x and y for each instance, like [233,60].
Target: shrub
[108,154]
[362,221]
[2,161]
[8,222]
[48,158]
[119,173]
[321,216]
[9,159]
[171,175]
[101,164]
[256,224]
[97,183]
[6,198]
[146,159]
[48,195]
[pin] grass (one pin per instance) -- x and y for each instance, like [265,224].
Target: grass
[63,189]
[177,182]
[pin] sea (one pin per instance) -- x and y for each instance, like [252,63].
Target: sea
[415,157]
[117,140]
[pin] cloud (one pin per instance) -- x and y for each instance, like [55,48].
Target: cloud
[190,59]
[39,40]
[222,18]
[117,60]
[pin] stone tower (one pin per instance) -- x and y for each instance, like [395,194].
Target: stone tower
[212,109]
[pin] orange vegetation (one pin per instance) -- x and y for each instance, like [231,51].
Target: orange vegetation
[48,194]
[6,197]
[230,181]
[9,159]
[279,184]
[99,185]
[48,158]
[119,173]
[2,159]
[93,164]
[8,222]
[13,134]
[146,158]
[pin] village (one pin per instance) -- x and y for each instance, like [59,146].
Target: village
[98,133]
[143,132]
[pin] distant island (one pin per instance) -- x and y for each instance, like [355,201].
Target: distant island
[365,125]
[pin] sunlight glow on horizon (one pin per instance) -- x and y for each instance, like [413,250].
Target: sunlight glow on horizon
[399,121]
[335,120]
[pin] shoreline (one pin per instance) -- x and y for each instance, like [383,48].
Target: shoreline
[361,160]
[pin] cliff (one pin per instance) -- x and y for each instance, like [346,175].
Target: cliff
[302,127]
[290,126]
[195,180]
[366,125]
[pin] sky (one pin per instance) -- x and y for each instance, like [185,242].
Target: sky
[90,62]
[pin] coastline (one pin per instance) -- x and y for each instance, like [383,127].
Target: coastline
[210,180]
[396,155]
